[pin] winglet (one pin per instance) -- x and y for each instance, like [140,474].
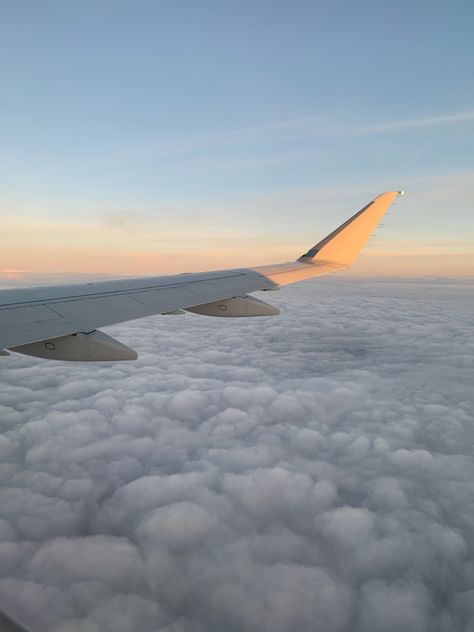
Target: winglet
[344,244]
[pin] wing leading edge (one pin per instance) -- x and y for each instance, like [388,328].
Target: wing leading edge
[29,316]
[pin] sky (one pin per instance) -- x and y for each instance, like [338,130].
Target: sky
[165,136]
[310,472]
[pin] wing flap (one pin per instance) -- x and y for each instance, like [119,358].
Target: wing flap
[94,307]
[16,316]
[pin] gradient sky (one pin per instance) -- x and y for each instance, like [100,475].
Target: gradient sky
[158,136]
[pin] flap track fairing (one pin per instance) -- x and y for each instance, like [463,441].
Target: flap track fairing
[239,306]
[94,346]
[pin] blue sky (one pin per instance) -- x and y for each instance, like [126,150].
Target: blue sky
[252,114]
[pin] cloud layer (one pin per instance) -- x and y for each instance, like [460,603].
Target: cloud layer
[307,472]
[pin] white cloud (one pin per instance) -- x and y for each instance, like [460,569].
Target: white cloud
[307,472]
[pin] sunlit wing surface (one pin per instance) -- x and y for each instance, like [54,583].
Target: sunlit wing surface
[61,322]
[336,251]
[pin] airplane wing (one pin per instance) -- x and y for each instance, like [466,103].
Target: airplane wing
[7,624]
[61,322]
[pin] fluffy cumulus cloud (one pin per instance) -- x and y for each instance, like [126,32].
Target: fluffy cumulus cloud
[308,472]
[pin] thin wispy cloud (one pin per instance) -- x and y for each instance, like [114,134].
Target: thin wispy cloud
[429,121]
[266,135]
[310,126]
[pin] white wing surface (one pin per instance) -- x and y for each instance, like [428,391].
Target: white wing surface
[61,321]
